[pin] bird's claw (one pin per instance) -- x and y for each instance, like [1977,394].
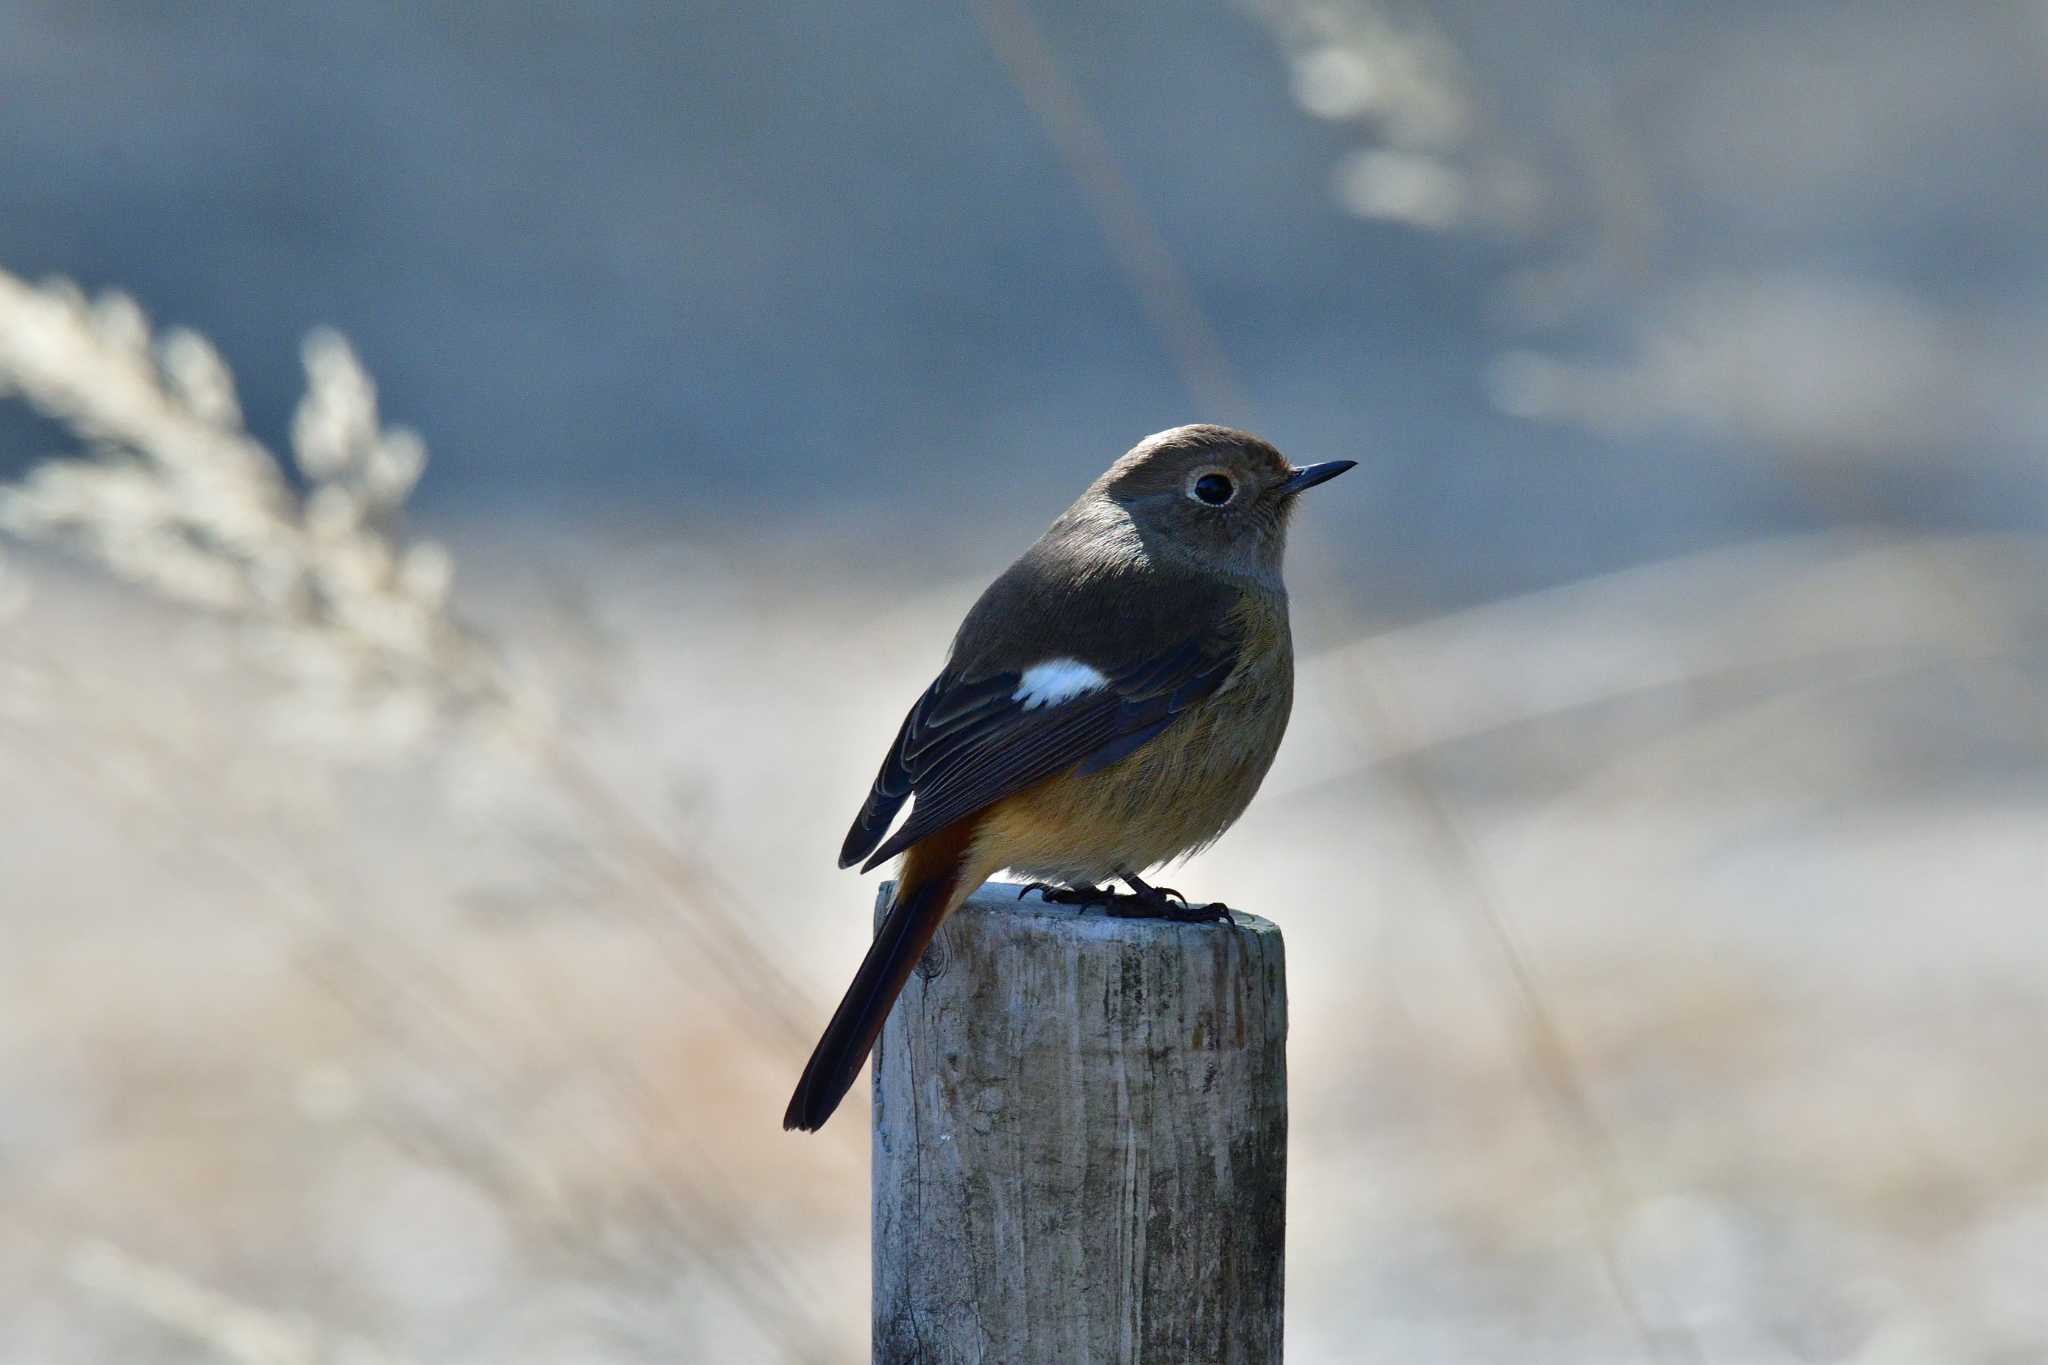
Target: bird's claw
[1149,907]
[1145,902]
[1066,895]
[1163,902]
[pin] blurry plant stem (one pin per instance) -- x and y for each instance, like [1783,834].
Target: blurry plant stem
[719,916]
[173,494]
[1162,288]
[1553,1070]
[347,969]
[1925,556]
[1986,643]
[1161,285]
[229,1327]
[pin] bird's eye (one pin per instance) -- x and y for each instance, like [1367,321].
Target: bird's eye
[1214,489]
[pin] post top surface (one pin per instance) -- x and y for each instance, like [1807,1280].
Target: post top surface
[1088,922]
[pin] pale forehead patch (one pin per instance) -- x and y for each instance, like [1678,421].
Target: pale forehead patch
[1055,681]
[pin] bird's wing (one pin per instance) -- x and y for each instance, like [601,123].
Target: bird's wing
[972,740]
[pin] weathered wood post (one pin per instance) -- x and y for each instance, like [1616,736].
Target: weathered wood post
[1080,1142]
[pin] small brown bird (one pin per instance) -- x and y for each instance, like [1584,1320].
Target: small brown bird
[1112,702]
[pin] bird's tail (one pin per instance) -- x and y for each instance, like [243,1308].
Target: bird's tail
[933,882]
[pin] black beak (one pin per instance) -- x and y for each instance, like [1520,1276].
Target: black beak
[1310,476]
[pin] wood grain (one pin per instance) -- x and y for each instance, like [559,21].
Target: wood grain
[1080,1142]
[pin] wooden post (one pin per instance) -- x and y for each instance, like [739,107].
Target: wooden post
[1080,1142]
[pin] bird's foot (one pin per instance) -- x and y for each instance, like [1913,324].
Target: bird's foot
[1163,902]
[1180,912]
[1068,895]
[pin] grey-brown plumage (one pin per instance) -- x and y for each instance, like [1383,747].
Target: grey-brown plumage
[1111,702]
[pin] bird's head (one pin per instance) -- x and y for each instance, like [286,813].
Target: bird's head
[1211,496]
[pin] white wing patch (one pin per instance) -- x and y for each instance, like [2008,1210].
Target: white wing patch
[1055,681]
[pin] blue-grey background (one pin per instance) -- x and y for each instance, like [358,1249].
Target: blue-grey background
[721,264]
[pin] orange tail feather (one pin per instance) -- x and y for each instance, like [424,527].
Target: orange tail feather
[927,890]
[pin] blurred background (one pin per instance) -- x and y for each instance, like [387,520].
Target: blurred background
[421,888]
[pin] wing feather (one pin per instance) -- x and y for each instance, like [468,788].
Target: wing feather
[969,742]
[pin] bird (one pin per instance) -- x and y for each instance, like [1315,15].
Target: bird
[1110,703]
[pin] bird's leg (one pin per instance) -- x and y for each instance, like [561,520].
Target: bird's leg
[1083,894]
[1163,902]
